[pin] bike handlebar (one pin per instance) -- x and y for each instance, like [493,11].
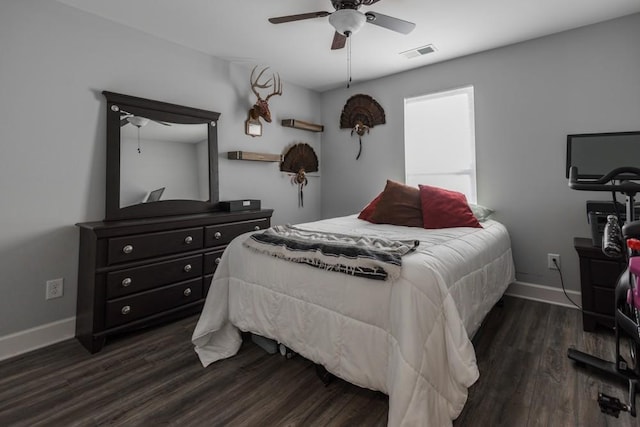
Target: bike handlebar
[605,183]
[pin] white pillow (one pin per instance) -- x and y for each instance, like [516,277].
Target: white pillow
[483,213]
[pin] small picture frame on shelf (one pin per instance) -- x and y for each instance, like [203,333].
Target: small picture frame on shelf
[253,127]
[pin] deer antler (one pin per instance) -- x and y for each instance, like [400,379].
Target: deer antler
[274,82]
[277,86]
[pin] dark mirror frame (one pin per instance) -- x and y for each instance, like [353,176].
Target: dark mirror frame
[161,111]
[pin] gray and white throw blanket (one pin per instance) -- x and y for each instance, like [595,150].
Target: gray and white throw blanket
[365,256]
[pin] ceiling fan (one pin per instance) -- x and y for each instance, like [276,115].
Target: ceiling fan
[347,20]
[137,121]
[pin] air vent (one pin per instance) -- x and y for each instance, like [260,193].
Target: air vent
[419,51]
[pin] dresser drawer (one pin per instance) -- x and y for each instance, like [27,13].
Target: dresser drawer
[142,304]
[132,280]
[603,300]
[211,261]
[140,246]
[215,235]
[605,273]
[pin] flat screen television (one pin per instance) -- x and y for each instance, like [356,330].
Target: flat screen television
[596,154]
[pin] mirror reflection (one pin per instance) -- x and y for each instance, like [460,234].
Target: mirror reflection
[162,161]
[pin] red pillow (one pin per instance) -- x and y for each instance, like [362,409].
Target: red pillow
[399,204]
[368,210]
[445,208]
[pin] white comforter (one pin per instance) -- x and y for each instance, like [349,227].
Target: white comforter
[408,338]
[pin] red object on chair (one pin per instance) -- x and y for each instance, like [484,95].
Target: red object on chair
[633,244]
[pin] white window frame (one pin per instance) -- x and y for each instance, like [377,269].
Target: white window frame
[471,171]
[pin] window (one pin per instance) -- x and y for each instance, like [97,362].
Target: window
[439,141]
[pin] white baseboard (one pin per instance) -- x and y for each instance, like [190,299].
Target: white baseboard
[38,337]
[542,293]
[51,333]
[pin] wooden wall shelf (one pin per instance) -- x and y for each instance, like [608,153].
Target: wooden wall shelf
[299,124]
[258,157]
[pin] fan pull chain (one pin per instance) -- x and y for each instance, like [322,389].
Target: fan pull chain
[348,60]
[301,197]
[139,140]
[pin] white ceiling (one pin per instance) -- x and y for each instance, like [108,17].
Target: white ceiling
[238,30]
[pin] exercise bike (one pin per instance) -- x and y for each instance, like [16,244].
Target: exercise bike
[627,294]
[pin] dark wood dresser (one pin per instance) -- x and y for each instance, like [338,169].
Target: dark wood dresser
[598,277]
[137,273]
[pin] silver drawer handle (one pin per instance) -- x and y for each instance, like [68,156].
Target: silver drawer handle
[256,228]
[127,249]
[187,268]
[217,261]
[187,292]
[188,240]
[126,309]
[217,235]
[126,282]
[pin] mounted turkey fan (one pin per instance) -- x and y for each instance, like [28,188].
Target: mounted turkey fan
[347,20]
[361,113]
[299,160]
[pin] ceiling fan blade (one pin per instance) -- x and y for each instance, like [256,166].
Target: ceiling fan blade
[339,40]
[123,122]
[389,22]
[161,123]
[299,17]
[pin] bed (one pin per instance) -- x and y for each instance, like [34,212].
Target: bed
[409,338]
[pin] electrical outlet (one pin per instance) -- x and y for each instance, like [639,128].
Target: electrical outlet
[550,261]
[55,288]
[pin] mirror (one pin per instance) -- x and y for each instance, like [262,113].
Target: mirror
[160,155]
[161,158]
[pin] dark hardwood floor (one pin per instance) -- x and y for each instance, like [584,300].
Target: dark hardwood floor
[154,378]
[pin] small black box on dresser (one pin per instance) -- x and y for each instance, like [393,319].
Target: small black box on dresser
[240,205]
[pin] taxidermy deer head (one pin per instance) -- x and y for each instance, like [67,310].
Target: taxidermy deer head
[261,107]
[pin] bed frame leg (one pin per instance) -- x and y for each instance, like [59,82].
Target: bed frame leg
[325,376]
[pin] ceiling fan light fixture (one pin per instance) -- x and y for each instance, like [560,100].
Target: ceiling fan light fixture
[347,21]
[138,121]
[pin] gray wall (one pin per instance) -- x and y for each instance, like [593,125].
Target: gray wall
[528,97]
[55,61]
